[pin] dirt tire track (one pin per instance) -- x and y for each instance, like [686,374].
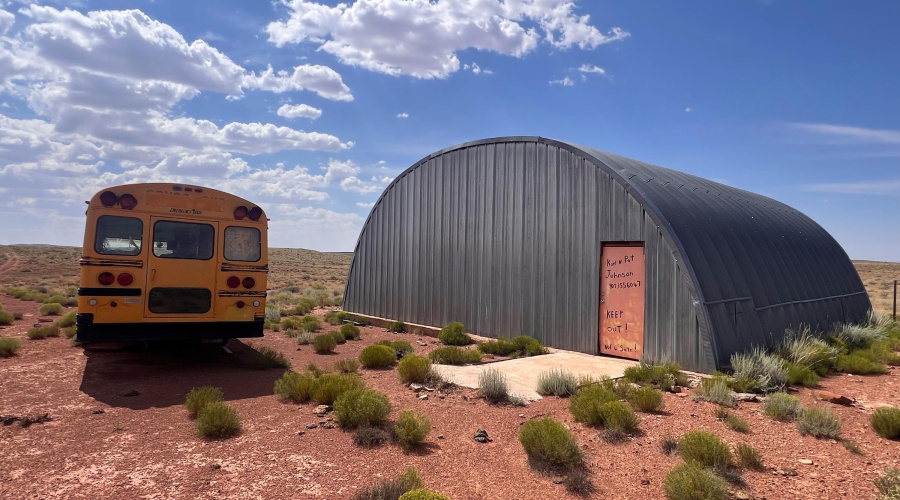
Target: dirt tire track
[11,264]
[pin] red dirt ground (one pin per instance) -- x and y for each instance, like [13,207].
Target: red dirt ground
[145,446]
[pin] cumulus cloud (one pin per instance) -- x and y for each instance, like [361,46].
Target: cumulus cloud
[291,225]
[420,38]
[7,19]
[590,68]
[565,82]
[299,111]
[320,79]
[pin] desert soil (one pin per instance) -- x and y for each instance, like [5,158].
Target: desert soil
[101,443]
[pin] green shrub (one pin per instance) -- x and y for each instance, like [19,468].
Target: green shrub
[663,374]
[618,416]
[768,371]
[9,346]
[737,423]
[311,323]
[528,346]
[805,349]
[362,406]
[350,331]
[314,370]
[715,390]
[42,332]
[690,481]
[781,406]
[452,355]
[70,331]
[558,382]
[329,387]
[859,364]
[67,320]
[586,403]
[6,318]
[295,387]
[218,421]
[397,327]
[888,484]
[370,437]
[324,344]
[499,347]
[377,356]
[645,399]
[273,315]
[292,323]
[347,366]
[423,494]
[886,422]
[705,448]
[200,397]
[268,358]
[414,368]
[859,336]
[53,309]
[411,428]
[549,442]
[56,299]
[492,385]
[271,325]
[454,334]
[335,317]
[802,375]
[305,338]
[748,457]
[819,423]
[291,333]
[392,489]
[338,336]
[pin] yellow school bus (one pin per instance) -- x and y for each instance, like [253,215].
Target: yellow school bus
[172,261]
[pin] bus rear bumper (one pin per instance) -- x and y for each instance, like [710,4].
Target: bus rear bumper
[88,331]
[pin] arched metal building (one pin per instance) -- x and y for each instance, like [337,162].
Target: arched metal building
[593,252]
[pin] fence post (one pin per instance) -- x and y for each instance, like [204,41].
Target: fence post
[895,300]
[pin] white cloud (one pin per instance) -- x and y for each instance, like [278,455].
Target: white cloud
[421,38]
[299,111]
[849,134]
[565,82]
[354,184]
[402,115]
[687,110]
[590,68]
[291,226]
[883,187]
[320,79]
[7,19]
[477,69]
[365,205]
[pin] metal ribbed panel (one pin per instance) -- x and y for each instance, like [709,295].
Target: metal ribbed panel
[505,235]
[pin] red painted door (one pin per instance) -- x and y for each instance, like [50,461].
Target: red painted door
[622,300]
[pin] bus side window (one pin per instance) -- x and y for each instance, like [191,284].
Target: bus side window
[242,244]
[118,235]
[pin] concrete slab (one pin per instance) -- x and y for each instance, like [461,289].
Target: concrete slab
[522,373]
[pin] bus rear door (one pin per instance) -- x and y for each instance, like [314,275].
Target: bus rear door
[181,271]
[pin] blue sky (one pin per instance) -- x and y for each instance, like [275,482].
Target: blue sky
[796,101]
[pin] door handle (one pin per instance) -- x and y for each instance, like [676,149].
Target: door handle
[152,274]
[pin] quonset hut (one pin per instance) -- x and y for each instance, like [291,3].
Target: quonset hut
[594,252]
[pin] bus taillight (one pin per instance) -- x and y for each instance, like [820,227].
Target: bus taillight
[240,212]
[255,213]
[125,279]
[233,282]
[127,201]
[249,282]
[239,304]
[106,279]
[108,198]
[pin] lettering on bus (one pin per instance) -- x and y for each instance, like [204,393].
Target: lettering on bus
[185,211]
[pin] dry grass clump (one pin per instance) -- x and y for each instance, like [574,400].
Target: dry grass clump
[311,323]
[378,356]
[295,387]
[819,423]
[781,406]
[705,448]
[662,374]
[392,489]
[218,421]
[691,481]
[6,318]
[268,358]
[412,428]
[748,457]
[324,344]
[42,332]
[549,443]
[331,386]
[370,437]
[492,385]
[454,334]
[423,494]
[414,368]
[768,372]
[350,331]
[888,484]
[199,397]
[362,406]
[346,366]
[886,422]
[305,338]
[645,399]
[452,355]
[557,382]
[715,390]
[733,421]
[53,309]
[67,320]
[585,404]
[9,346]
[397,327]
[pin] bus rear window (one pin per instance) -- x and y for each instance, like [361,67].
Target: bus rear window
[242,244]
[180,300]
[183,240]
[118,235]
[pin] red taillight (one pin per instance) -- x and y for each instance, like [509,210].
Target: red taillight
[239,304]
[255,213]
[249,282]
[240,212]
[108,198]
[127,201]
[106,279]
[125,279]
[233,282]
